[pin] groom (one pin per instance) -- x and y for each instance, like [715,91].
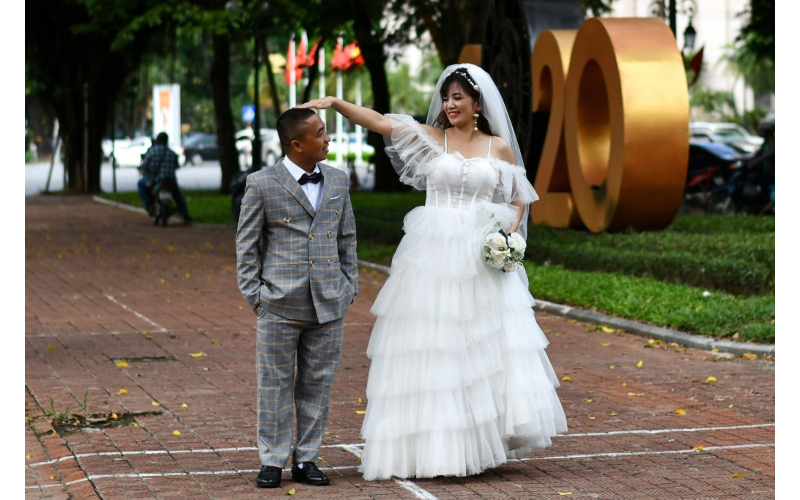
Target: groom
[296,263]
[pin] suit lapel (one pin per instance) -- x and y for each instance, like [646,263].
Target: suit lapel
[285,178]
[327,189]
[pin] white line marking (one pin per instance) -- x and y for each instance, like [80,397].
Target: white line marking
[633,453]
[401,481]
[161,329]
[404,483]
[416,490]
[120,205]
[354,447]
[661,431]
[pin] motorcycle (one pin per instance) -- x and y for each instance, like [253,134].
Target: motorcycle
[745,192]
[164,202]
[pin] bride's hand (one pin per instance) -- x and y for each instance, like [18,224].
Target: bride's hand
[324,103]
[512,228]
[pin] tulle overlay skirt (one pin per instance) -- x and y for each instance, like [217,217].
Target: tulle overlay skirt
[459,381]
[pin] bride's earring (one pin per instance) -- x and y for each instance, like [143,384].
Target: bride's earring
[476,115]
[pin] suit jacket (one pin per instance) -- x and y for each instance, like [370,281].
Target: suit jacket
[292,260]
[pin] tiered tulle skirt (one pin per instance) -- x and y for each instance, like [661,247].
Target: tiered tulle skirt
[459,381]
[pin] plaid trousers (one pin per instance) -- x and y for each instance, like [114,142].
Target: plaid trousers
[315,349]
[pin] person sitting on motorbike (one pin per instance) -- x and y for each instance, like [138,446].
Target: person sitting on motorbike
[160,163]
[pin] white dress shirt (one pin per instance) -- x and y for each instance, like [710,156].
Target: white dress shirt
[313,191]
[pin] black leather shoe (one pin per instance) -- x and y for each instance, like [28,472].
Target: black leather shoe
[309,474]
[269,477]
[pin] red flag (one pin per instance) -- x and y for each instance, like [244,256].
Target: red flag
[301,58]
[354,53]
[696,64]
[340,59]
[298,71]
[311,58]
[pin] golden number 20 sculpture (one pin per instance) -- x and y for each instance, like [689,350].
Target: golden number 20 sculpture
[617,144]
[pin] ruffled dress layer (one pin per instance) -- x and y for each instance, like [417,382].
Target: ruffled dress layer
[459,381]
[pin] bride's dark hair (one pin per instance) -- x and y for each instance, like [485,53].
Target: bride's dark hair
[467,84]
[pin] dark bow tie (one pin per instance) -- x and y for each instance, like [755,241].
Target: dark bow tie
[313,178]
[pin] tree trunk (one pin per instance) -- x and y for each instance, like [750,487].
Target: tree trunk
[221,95]
[273,89]
[374,58]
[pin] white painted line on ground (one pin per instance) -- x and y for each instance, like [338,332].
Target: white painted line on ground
[161,329]
[120,205]
[634,453]
[354,448]
[661,431]
[402,482]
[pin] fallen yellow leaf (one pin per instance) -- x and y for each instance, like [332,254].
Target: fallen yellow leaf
[592,418]
[122,363]
[710,379]
[749,355]
[715,350]
[699,447]
[27,409]
[52,476]
[214,341]
[135,424]
[184,405]
[51,348]
[564,493]
[122,391]
[639,364]
[196,354]
[670,440]
[361,412]
[610,367]
[588,400]
[681,370]
[291,492]
[360,400]
[613,413]
[698,308]
[566,379]
[114,416]
[155,403]
[605,344]
[624,384]
[680,411]
[736,475]
[176,433]
[729,406]
[607,330]
[635,394]
[27,457]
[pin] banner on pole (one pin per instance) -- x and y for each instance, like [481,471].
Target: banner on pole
[167,112]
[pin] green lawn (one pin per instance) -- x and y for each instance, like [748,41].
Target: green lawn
[657,276]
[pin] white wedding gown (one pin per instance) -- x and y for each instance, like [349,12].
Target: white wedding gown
[459,381]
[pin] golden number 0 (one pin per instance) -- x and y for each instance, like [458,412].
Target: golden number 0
[625,125]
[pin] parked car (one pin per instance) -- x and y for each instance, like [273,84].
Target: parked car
[131,155]
[200,148]
[710,165]
[349,152]
[271,149]
[727,133]
[120,141]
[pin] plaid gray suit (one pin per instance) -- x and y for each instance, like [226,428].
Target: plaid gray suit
[299,267]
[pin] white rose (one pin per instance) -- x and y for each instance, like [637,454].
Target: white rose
[500,256]
[510,266]
[517,242]
[496,242]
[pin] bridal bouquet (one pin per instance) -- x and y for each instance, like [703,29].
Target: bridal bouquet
[504,251]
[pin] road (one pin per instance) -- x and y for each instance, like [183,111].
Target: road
[206,176]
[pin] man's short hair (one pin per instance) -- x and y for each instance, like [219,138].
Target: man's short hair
[162,138]
[292,125]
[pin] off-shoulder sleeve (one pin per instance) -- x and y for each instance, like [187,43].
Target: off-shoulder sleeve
[412,150]
[513,184]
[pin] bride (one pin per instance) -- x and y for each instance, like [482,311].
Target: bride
[459,381]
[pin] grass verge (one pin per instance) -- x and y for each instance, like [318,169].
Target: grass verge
[658,277]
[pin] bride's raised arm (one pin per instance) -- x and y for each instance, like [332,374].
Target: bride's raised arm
[359,115]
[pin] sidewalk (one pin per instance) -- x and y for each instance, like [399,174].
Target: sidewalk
[146,324]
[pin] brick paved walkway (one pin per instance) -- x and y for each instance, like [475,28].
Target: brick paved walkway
[104,286]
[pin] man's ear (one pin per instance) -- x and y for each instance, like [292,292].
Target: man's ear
[295,146]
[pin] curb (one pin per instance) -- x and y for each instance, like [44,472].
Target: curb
[642,329]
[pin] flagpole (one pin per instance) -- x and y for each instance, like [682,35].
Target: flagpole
[292,74]
[304,41]
[321,59]
[339,125]
[358,127]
